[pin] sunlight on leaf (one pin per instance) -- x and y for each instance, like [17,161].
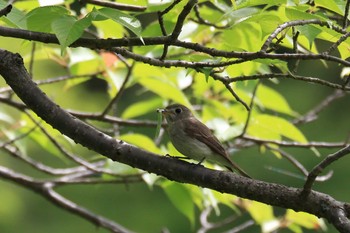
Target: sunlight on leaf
[141,108]
[128,21]
[150,179]
[41,18]
[260,211]
[15,18]
[164,88]
[271,99]
[273,127]
[305,220]
[68,29]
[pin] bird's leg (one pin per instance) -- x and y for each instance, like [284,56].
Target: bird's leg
[176,157]
[201,161]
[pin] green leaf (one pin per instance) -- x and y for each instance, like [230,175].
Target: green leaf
[310,32]
[206,72]
[142,107]
[226,199]
[15,18]
[181,199]
[128,21]
[337,6]
[84,61]
[41,18]
[118,168]
[298,13]
[141,141]
[274,128]
[260,212]
[261,2]
[332,36]
[150,179]
[305,220]
[271,99]
[164,88]
[68,29]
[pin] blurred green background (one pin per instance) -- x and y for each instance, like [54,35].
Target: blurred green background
[148,209]
[22,210]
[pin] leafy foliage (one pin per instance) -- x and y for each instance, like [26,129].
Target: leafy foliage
[233,74]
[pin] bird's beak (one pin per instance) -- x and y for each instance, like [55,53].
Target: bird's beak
[163,111]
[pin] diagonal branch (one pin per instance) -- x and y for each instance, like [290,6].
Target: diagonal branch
[321,166]
[5,10]
[46,190]
[181,19]
[13,71]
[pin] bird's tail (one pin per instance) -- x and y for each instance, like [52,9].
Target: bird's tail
[240,170]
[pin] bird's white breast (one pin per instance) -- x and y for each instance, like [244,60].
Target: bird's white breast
[190,147]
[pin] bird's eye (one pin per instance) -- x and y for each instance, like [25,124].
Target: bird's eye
[178,110]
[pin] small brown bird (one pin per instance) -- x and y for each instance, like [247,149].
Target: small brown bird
[194,139]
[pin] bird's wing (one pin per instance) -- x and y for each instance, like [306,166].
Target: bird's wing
[204,134]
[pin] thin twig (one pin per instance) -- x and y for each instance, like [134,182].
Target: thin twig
[161,23]
[290,76]
[120,91]
[251,109]
[296,144]
[181,19]
[229,88]
[208,226]
[298,165]
[242,227]
[346,14]
[313,113]
[46,190]
[283,26]
[234,94]
[337,43]
[71,156]
[55,80]
[162,27]
[115,5]
[31,62]
[200,20]
[321,166]
[7,9]
[13,151]
[19,137]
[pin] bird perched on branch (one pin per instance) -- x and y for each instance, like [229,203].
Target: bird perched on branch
[194,139]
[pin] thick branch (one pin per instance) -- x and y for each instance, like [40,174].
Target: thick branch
[322,205]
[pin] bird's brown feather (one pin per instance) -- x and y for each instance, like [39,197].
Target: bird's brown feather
[204,134]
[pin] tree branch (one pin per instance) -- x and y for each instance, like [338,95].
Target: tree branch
[5,10]
[114,5]
[321,166]
[319,204]
[46,190]
[116,44]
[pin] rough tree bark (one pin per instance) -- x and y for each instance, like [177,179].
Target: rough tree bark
[322,205]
